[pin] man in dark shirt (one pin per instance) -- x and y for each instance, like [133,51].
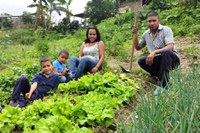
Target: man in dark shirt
[42,83]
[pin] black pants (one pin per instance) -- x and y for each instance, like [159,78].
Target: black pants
[162,64]
[22,86]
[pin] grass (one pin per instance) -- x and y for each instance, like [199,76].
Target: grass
[175,110]
[12,54]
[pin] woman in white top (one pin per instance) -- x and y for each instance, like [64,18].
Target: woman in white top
[92,54]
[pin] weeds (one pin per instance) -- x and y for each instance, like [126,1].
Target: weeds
[192,53]
[176,110]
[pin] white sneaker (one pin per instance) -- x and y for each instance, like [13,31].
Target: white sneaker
[71,76]
[158,91]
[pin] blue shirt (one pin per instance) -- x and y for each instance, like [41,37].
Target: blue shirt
[59,66]
[45,84]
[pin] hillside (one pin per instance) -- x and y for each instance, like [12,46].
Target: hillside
[188,48]
[110,101]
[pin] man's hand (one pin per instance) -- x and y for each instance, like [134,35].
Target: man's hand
[150,57]
[134,29]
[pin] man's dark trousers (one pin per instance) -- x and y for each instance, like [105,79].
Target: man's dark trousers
[167,60]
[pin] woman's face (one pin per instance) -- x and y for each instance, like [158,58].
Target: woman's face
[92,35]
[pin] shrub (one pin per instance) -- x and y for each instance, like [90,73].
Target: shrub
[18,36]
[42,43]
[195,29]
[74,25]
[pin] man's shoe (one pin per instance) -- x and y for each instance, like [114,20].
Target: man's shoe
[12,101]
[159,83]
[166,87]
[158,91]
[1,108]
[71,76]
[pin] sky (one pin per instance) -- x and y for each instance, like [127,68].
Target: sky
[16,7]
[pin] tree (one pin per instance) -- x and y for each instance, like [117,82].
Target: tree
[39,15]
[168,4]
[129,0]
[67,3]
[45,8]
[98,10]
[193,3]
[74,25]
[27,18]
[62,27]
[6,21]
[57,6]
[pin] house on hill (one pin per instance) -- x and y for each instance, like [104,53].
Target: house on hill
[18,22]
[82,19]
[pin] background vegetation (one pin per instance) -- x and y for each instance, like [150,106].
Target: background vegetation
[176,110]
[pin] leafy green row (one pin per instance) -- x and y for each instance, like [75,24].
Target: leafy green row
[119,87]
[58,113]
[63,112]
[8,78]
[50,115]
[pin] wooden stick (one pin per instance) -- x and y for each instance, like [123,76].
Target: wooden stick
[134,38]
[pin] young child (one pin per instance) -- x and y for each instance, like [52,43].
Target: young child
[60,66]
[42,83]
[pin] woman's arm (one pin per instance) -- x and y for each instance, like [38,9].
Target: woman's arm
[102,53]
[101,47]
[81,50]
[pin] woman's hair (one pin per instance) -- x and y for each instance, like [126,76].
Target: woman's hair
[63,51]
[97,32]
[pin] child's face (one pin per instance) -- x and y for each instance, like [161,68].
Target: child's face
[62,58]
[47,68]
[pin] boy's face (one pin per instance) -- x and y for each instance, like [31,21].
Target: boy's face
[62,58]
[47,68]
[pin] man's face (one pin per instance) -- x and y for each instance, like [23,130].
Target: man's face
[47,68]
[153,22]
